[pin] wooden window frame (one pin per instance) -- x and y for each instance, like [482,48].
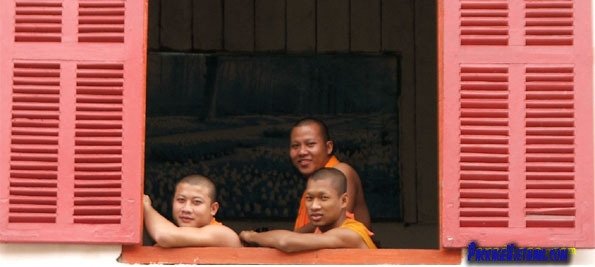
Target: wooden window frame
[138,254]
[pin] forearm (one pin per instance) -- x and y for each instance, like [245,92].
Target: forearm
[308,228]
[158,227]
[284,240]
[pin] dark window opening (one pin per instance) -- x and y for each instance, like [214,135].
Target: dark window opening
[229,117]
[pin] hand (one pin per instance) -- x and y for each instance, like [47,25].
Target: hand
[146,201]
[246,237]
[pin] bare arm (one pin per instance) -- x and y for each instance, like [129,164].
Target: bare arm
[289,241]
[308,228]
[167,234]
[356,203]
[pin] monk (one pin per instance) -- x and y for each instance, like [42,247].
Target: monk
[194,208]
[326,205]
[311,149]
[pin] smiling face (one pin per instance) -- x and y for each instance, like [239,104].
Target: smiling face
[325,205]
[309,151]
[192,205]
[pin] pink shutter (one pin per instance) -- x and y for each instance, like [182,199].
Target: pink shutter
[517,123]
[72,75]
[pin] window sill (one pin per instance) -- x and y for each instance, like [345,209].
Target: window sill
[251,255]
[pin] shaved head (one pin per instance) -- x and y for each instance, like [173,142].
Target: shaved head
[336,177]
[200,180]
[311,120]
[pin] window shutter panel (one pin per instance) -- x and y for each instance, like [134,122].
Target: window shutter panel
[72,80]
[517,123]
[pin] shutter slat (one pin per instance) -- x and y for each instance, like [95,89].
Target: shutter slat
[97,175]
[546,183]
[486,212]
[33,200]
[484,175]
[480,193]
[551,211]
[484,222]
[550,193]
[484,203]
[550,203]
[32,218]
[115,158]
[484,184]
[36,174]
[32,209]
[27,182]
[96,219]
[94,201]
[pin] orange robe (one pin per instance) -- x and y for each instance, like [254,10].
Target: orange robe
[302,217]
[360,229]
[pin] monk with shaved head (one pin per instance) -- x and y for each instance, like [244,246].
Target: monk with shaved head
[326,203]
[311,148]
[194,208]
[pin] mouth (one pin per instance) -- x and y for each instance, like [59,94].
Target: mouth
[315,217]
[185,219]
[304,162]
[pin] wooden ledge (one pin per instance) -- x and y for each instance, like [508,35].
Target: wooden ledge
[251,255]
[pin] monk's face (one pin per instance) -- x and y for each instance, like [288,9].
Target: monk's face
[192,206]
[324,205]
[308,150]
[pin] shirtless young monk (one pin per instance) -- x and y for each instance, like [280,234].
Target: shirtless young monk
[311,149]
[194,208]
[326,203]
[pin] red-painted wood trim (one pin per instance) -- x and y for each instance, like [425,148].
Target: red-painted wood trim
[157,255]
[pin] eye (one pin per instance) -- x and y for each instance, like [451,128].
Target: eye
[311,144]
[180,200]
[196,202]
[324,197]
[309,198]
[294,146]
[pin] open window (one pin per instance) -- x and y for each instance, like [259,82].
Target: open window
[255,82]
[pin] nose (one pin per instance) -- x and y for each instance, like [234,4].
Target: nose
[302,150]
[186,206]
[315,204]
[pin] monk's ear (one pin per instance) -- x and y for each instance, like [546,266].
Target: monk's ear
[329,147]
[344,199]
[214,208]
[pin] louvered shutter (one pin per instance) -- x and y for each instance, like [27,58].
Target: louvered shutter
[517,123]
[72,80]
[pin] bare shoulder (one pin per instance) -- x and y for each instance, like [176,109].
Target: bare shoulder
[349,171]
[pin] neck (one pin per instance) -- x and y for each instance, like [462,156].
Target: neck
[336,224]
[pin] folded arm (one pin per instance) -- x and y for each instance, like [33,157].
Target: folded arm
[167,234]
[289,241]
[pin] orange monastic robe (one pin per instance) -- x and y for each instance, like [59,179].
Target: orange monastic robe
[302,217]
[215,222]
[360,229]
